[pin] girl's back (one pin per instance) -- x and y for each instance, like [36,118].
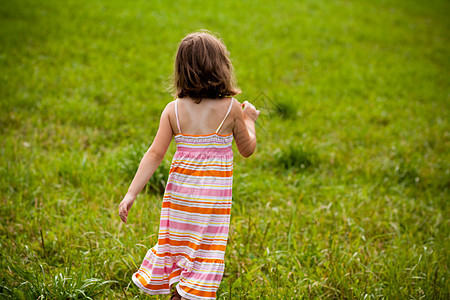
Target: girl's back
[204,117]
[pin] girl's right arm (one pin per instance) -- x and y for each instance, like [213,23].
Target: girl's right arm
[149,163]
[244,128]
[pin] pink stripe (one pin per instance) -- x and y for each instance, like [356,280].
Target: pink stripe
[197,229]
[210,140]
[207,276]
[198,192]
[204,139]
[152,270]
[207,152]
[224,182]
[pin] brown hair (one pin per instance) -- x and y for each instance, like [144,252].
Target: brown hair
[203,68]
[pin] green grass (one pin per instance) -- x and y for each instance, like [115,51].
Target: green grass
[356,92]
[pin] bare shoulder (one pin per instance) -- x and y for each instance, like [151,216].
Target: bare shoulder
[170,106]
[169,115]
[236,109]
[169,110]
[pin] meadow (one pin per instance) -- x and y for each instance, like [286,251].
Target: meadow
[346,196]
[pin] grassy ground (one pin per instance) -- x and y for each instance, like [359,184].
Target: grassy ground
[346,196]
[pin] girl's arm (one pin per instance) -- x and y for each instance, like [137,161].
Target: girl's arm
[149,163]
[244,128]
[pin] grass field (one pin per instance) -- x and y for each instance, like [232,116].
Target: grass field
[346,196]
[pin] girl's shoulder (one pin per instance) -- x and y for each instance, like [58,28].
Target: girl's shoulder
[171,104]
[170,115]
[236,108]
[170,108]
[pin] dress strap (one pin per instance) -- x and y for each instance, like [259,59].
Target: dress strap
[176,115]
[228,112]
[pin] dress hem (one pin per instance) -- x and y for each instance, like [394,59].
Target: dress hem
[141,287]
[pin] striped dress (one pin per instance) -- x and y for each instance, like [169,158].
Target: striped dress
[195,218]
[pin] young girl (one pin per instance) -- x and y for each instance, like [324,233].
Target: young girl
[195,213]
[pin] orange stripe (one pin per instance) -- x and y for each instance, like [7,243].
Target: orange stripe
[218,201]
[213,173]
[143,271]
[193,246]
[197,210]
[175,274]
[195,292]
[154,287]
[192,237]
[197,259]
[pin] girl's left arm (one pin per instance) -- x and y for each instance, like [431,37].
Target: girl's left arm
[151,160]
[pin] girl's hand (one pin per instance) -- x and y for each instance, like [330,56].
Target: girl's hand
[124,207]
[250,111]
